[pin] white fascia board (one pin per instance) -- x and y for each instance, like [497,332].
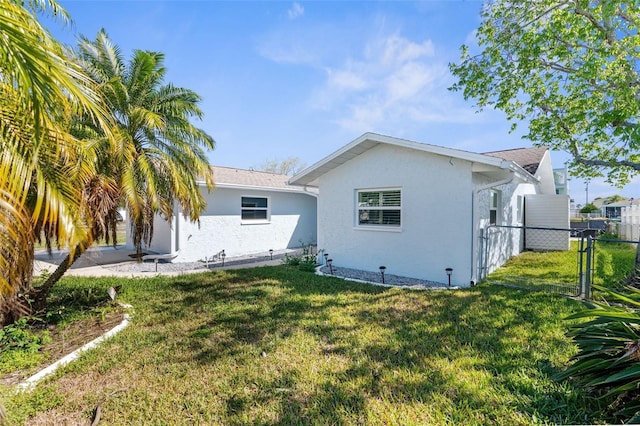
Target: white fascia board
[293,189]
[369,140]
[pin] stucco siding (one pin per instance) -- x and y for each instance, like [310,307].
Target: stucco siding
[499,243]
[292,223]
[436,214]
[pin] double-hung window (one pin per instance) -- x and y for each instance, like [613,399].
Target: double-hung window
[494,207]
[379,208]
[255,209]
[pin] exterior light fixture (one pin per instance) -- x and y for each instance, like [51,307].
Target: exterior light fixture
[223,255]
[271,253]
[382,269]
[326,256]
[449,271]
[329,262]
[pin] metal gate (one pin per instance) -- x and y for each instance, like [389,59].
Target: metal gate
[568,258]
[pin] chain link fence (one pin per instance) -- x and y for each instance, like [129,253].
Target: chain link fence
[539,258]
[556,260]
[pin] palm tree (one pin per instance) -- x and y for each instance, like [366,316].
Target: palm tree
[40,161]
[156,156]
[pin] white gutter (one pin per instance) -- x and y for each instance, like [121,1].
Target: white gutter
[474,229]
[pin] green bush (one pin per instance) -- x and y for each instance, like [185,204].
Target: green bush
[305,261]
[20,346]
[589,208]
[609,350]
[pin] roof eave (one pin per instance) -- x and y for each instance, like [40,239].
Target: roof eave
[369,140]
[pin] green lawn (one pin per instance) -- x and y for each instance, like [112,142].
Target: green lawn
[121,237]
[559,270]
[276,345]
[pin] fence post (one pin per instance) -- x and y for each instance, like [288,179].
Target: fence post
[586,291]
[481,256]
[581,252]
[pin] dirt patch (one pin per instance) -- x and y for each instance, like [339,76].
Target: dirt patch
[66,340]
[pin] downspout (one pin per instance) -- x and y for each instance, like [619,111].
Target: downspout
[475,267]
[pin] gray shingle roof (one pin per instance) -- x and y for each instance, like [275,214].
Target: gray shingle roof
[527,158]
[232,176]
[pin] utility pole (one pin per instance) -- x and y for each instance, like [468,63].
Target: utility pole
[586,186]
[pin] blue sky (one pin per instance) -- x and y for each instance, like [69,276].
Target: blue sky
[302,79]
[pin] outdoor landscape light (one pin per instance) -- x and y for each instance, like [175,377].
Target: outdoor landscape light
[223,255]
[329,262]
[382,269]
[326,255]
[449,272]
[271,253]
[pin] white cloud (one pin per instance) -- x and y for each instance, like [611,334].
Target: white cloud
[296,11]
[345,79]
[398,50]
[394,83]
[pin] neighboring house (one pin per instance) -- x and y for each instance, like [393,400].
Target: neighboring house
[247,212]
[419,209]
[614,210]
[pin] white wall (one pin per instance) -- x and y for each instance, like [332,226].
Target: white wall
[547,211]
[500,244]
[629,228]
[545,174]
[292,224]
[436,214]
[162,234]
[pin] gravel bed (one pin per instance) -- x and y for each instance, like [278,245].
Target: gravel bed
[390,280]
[346,273]
[149,266]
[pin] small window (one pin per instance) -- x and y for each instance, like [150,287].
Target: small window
[255,208]
[379,208]
[494,206]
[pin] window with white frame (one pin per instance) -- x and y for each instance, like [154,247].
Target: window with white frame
[380,207]
[255,208]
[494,207]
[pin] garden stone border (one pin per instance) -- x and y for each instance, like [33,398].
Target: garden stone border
[29,384]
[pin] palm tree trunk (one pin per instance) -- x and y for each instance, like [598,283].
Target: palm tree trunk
[37,296]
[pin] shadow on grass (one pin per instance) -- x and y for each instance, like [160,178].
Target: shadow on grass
[320,349]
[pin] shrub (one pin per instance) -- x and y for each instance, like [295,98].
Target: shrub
[305,261]
[589,208]
[609,351]
[20,346]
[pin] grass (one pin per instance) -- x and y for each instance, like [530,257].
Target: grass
[276,345]
[121,237]
[560,269]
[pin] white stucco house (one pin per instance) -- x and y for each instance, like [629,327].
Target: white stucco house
[247,212]
[419,209]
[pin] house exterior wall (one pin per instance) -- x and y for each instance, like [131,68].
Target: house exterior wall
[436,214]
[292,223]
[497,244]
[546,175]
[163,233]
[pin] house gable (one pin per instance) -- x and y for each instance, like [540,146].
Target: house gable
[493,167]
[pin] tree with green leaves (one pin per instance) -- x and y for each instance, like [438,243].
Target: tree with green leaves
[589,208]
[42,164]
[571,69]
